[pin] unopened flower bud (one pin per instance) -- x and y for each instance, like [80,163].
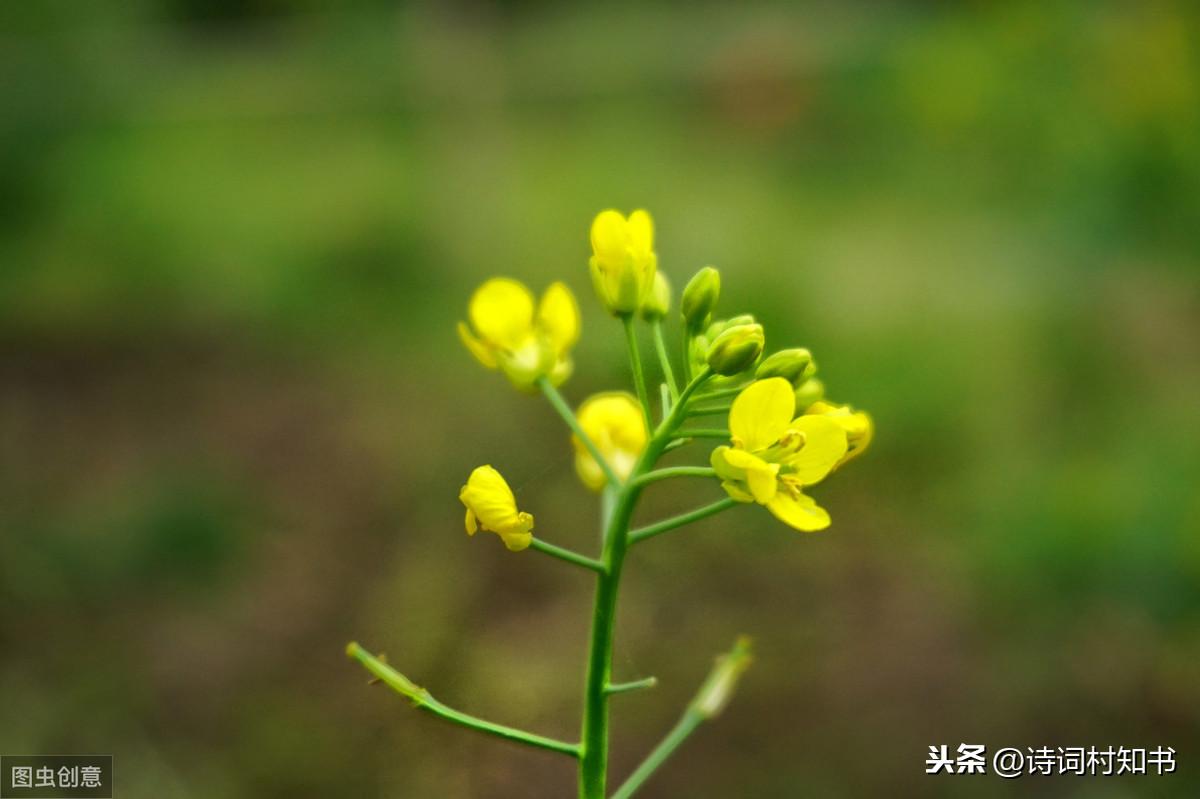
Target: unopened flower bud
[736,349]
[723,679]
[794,366]
[700,298]
[808,392]
[657,301]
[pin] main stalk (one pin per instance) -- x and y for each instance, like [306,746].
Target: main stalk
[593,760]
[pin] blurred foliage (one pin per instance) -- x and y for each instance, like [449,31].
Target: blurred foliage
[234,416]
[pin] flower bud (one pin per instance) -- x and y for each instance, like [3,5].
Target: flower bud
[808,392]
[736,349]
[721,325]
[657,301]
[794,365]
[718,689]
[700,298]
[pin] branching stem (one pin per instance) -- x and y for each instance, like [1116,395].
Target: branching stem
[423,700]
[564,554]
[564,410]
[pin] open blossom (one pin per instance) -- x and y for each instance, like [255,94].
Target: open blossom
[507,333]
[491,506]
[773,456]
[613,421]
[623,260]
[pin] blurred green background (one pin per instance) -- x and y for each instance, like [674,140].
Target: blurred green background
[234,415]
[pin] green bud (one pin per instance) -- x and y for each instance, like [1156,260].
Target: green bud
[719,326]
[794,365]
[808,392]
[700,298]
[736,349]
[657,301]
[718,688]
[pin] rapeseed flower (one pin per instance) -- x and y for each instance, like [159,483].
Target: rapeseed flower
[614,423]
[623,260]
[507,333]
[773,456]
[491,506]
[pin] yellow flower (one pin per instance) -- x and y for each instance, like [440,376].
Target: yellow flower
[773,456]
[506,334]
[491,506]
[858,426]
[623,261]
[613,421]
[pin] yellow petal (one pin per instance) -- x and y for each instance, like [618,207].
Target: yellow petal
[800,512]
[719,460]
[476,347]
[824,446]
[760,475]
[613,421]
[610,236]
[489,498]
[472,525]
[859,426]
[763,484]
[590,473]
[501,312]
[558,317]
[760,414]
[518,536]
[641,232]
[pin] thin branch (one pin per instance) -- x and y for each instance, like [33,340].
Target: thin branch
[635,363]
[422,699]
[660,344]
[567,555]
[709,411]
[709,701]
[634,685]
[651,530]
[675,471]
[564,410]
[703,432]
[723,393]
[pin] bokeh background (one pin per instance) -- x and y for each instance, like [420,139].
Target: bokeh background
[234,416]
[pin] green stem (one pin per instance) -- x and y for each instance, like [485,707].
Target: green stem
[709,411]
[706,704]
[567,555]
[664,360]
[685,355]
[704,432]
[635,361]
[564,410]
[722,393]
[676,471]
[593,760]
[686,725]
[423,700]
[633,685]
[651,530]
